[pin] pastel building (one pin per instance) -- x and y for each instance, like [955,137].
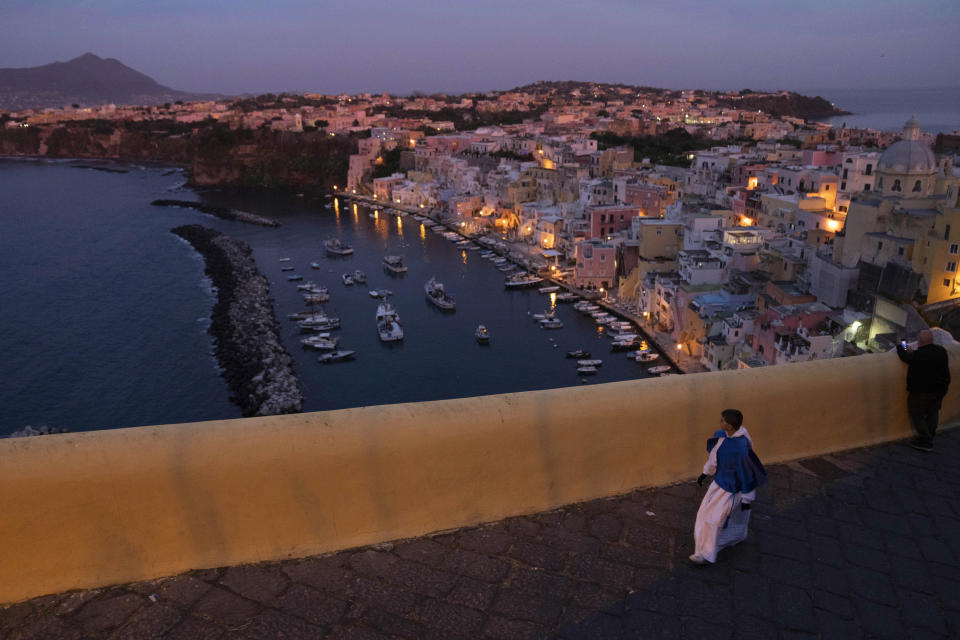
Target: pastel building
[596,264]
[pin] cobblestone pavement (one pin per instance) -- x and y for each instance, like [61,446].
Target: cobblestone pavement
[863,543]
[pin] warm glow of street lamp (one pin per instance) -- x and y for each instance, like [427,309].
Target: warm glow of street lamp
[679,346]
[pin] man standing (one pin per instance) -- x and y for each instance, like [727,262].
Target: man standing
[928,377]
[725,511]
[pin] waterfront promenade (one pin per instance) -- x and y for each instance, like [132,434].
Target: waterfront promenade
[862,543]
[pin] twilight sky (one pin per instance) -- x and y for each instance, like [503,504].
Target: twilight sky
[252,46]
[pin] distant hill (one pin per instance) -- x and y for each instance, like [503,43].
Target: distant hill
[87,81]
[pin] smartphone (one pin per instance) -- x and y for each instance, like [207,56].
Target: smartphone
[903,344]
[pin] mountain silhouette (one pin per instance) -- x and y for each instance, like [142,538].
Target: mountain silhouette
[88,80]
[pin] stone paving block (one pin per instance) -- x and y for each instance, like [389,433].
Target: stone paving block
[652,625]
[183,591]
[606,527]
[421,579]
[598,598]
[449,618]
[475,565]
[539,555]
[394,626]
[486,541]
[355,631]
[599,626]
[787,571]
[873,586]
[472,593]
[794,609]
[311,605]
[497,628]
[834,627]
[879,620]
[594,569]
[255,582]
[14,616]
[50,628]
[700,628]
[523,528]
[424,550]
[751,628]
[645,600]
[874,559]
[107,613]
[753,594]
[224,608]
[193,628]
[271,623]
[638,558]
[710,603]
[548,585]
[373,563]
[935,550]
[151,621]
[521,605]
[564,540]
[921,610]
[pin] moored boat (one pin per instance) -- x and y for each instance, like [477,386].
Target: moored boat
[388,323]
[337,248]
[438,296]
[482,335]
[394,264]
[553,323]
[660,369]
[336,356]
[578,353]
[589,363]
[347,279]
[549,289]
[648,356]
[587,370]
[359,277]
[566,296]
[320,343]
[295,278]
[520,280]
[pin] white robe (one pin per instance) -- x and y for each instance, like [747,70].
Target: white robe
[720,521]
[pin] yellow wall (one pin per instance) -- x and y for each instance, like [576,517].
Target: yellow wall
[98,508]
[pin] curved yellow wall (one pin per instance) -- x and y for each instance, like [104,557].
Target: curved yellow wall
[98,508]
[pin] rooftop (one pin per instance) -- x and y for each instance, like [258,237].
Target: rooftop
[860,543]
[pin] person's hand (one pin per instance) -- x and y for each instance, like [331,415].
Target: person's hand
[745,506]
[700,480]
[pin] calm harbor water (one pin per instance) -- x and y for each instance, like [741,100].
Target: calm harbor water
[105,313]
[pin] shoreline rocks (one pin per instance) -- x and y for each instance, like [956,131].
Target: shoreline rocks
[220,212]
[257,367]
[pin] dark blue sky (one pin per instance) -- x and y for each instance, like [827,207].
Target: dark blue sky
[241,46]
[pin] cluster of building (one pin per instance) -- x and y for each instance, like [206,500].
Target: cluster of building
[787,241]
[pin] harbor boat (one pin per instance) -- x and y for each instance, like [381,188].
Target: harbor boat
[589,363]
[284,259]
[578,353]
[520,280]
[336,356]
[388,323]
[294,278]
[482,335]
[438,296]
[587,370]
[499,260]
[566,296]
[623,345]
[359,277]
[659,369]
[312,287]
[320,343]
[380,293]
[553,323]
[546,315]
[337,248]
[316,298]
[314,265]
[550,289]
[648,356]
[506,267]
[287,268]
[301,315]
[319,321]
[347,279]
[394,264]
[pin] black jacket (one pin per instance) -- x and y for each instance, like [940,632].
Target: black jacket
[928,369]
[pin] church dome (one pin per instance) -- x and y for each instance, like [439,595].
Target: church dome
[908,155]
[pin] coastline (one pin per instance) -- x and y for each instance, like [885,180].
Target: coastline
[257,367]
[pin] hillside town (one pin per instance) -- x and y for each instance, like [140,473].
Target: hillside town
[742,237]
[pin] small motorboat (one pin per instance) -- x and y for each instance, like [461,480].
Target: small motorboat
[294,278]
[566,296]
[482,335]
[347,279]
[287,268]
[589,363]
[320,342]
[647,356]
[284,259]
[553,323]
[587,370]
[359,277]
[578,353]
[659,369]
[337,248]
[550,289]
[314,265]
[336,356]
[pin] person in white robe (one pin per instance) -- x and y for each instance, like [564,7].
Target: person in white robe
[724,514]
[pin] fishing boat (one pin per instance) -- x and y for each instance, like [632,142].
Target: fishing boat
[320,342]
[394,264]
[347,279]
[520,280]
[589,363]
[316,298]
[295,278]
[482,335]
[647,356]
[438,296]
[578,353]
[550,289]
[659,369]
[587,370]
[359,277]
[388,323]
[284,259]
[287,268]
[337,248]
[552,323]
[336,356]
[566,296]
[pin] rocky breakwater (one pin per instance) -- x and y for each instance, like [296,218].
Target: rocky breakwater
[257,367]
[219,212]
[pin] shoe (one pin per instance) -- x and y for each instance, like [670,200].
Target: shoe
[695,559]
[921,446]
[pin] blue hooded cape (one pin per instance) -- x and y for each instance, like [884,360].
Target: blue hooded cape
[739,470]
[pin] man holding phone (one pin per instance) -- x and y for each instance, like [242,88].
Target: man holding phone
[928,377]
